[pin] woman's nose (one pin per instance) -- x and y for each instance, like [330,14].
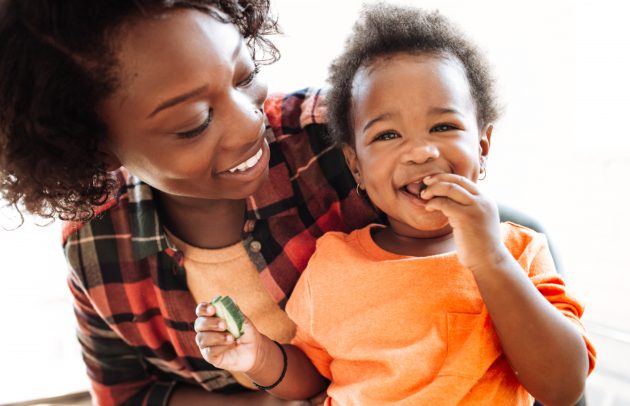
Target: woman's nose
[420,151]
[243,122]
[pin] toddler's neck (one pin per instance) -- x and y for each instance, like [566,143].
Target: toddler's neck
[389,240]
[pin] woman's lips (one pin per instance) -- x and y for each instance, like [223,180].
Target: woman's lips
[249,163]
[252,167]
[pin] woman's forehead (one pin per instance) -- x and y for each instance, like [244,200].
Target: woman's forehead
[184,35]
[173,52]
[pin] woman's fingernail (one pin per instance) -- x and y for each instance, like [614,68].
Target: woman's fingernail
[221,325]
[200,308]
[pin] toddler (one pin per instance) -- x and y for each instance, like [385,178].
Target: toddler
[445,304]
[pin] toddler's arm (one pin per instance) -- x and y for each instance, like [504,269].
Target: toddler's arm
[545,349]
[259,357]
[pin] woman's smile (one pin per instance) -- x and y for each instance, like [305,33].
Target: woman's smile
[251,168]
[209,97]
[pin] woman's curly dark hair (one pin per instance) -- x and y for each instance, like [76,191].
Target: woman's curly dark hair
[57,62]
[384,30]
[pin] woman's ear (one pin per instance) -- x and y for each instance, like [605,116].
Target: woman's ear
[109,159]
[352,162]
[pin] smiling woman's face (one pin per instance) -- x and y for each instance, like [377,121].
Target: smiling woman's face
[187,117]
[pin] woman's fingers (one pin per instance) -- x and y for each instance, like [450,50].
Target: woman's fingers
[205,309]
[209,324]
[212,339]
[213,353]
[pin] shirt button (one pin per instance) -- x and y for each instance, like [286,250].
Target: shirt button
[255,246]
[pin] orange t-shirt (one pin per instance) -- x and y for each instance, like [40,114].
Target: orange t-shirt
[393,329]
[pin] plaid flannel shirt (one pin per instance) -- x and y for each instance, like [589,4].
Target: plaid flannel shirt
[135,313]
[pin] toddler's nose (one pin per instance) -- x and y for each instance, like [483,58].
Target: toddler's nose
[420,151]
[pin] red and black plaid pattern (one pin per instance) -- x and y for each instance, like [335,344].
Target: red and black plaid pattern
[134,310]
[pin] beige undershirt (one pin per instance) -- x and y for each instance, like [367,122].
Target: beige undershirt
[229,271]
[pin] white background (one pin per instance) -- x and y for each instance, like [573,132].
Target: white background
[561,152]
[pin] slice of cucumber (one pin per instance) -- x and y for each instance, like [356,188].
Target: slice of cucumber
[229,311]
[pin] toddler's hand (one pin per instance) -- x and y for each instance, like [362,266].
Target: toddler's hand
[473,216]
[219,347]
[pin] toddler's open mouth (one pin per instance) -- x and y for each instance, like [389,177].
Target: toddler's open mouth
[415,188]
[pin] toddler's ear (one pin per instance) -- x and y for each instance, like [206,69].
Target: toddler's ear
[485,140]
[352,162]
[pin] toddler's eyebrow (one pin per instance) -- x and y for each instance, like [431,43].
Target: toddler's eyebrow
[443,110]
[380,117]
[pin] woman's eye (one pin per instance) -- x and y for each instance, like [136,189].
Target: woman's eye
[250,78]
[386,136]
[198,130]
[443,127]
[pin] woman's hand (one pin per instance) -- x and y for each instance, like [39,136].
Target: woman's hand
[220,348]
[473,216]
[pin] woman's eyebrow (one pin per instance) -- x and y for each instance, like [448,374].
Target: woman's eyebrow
[177,100]
[195,92]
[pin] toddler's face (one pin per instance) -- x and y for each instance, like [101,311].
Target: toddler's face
[413,116]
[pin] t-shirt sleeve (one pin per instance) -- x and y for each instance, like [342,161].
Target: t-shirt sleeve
[551,285]
[300,310]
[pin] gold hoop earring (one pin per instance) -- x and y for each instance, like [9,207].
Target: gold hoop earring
[358,190]
[482,169]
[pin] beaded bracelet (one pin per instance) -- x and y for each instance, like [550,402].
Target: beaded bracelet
[284,370]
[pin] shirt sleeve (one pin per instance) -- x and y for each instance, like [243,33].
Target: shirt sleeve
[300,310]
[551,285]
[117,371]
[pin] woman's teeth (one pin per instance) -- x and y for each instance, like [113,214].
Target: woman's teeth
[250,163]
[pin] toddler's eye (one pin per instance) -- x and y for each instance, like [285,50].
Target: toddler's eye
[389,135]
[443,127]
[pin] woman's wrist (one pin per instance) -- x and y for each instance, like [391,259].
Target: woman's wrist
[284,370]
[269,363]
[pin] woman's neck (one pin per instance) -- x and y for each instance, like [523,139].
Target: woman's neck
[202,223]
